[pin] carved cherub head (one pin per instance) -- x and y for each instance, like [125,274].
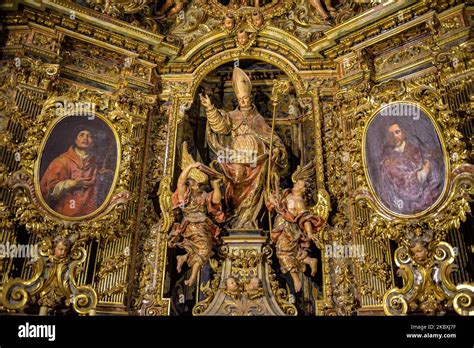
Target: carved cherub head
[61,247]
[419,239]
[419,252]
[299,186]
[254,288]
[257,19]
[242,37]
[254,284]
[234,4]
[231,285]
[193,185]
[229,21]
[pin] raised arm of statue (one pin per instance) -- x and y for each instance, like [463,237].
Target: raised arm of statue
[218,120]
[216,191]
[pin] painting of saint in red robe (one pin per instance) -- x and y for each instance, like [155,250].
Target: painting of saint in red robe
[77,166]
[405,161]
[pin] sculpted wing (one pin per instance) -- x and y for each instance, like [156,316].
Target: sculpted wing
[187,159]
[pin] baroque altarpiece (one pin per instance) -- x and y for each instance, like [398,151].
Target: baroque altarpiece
[237,157]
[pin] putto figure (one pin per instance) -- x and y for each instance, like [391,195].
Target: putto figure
[410,179]
[61,247]
[70,184]
[419,245]
[170,8]
[318,6]
[196,233]
[229,22]
[294,227]
[257,19]
[243,131]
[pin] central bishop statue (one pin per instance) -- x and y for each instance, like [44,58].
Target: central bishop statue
[241,140]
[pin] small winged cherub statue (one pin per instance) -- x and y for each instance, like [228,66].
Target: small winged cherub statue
[196,233]
[294,226]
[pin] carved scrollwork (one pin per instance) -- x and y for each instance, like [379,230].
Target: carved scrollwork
[150,301]
[270,9]
[322,209]
[116,8]
[462,301]
[244,284]
[427,284]
[36,73]
[209,291]
[456,62]
[54,281]
[282,296]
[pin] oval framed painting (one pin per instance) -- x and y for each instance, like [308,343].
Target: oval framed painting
[405,159]
[77,168]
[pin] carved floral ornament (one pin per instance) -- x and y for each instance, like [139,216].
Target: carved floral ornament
[184,22]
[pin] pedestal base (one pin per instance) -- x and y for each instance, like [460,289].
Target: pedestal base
[246,284]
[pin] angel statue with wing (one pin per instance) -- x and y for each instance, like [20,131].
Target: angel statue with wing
[196,233]
[295,226]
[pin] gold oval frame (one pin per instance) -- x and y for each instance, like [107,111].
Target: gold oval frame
[38,163]
[437,128]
